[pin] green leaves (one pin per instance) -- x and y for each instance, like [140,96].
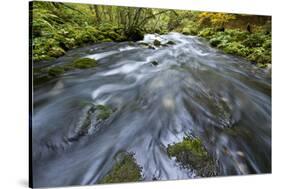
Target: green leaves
[255,47]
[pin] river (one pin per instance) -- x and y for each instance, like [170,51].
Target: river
[158,95]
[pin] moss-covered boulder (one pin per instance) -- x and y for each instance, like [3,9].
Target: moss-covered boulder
[106,40]
[92,118]
[103,112]
[55,71]
[125,170]
[84,63]
[55,52]
[190,153]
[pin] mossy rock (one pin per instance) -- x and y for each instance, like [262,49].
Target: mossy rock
[40,80]
[56,52]
[106,40]
[84,63]
[56,71]
[103,112]
[125,170]
[156,43]
[192,154]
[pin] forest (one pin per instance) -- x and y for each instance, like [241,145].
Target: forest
[58,27]
[127,94]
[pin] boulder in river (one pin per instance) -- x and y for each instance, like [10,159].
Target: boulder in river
[190,153]
[125,170]
[156,43]
[84,63]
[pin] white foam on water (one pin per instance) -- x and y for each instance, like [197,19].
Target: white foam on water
[101,55]
[128,48]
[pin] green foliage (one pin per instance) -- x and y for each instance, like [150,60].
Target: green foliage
[255,47]
[84,63]
[125,170]
[207,32]
[235,48]
[215,19]
[260,55]
[255,40]
[191,153]
[58,27]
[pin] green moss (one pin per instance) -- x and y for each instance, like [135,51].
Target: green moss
[56,71]
[125,170]
[106,40]
[192,154]
[84,63]
[103,112]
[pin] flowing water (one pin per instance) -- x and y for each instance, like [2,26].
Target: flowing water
[158,96]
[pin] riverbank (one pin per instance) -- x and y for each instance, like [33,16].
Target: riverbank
[187,109]
[59,27]
[253,46]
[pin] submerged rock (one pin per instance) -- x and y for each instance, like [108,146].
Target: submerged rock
[84,63]
[170,43]
[156,43]
[125,170]
[103,112]
[92,119]
[154,63]
[46,74]
[190,153]
[56,71]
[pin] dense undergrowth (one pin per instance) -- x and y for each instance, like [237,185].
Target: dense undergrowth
[58,27]
[255,47]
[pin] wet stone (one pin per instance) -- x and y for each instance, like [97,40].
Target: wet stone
[191,154]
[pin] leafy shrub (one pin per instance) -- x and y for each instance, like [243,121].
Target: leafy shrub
[207,32]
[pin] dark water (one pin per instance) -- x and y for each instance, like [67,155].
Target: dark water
[193,90]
